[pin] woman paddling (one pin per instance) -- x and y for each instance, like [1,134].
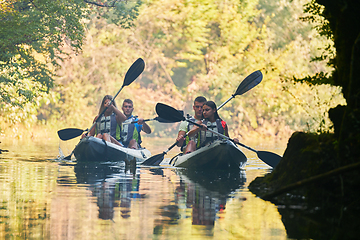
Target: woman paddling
[211,121]
[108,127]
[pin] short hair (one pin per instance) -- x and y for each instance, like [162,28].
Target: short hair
[128,101]
[200,99]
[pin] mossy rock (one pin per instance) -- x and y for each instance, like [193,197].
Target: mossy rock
[306,155]
[326,208]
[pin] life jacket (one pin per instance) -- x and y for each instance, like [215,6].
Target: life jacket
[108,125]
[130,131]
[207,136]
[196,137]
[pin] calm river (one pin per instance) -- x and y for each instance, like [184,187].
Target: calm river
[42,197]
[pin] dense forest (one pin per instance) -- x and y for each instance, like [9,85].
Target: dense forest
[190,48]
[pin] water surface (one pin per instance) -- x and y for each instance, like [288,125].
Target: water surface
[42,197]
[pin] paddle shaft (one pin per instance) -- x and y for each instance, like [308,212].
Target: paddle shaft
[171,147]
[222,135]
[269,158]
[248,83]
[225,102]
[145,120]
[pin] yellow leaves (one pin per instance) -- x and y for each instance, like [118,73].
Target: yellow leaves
[6,6]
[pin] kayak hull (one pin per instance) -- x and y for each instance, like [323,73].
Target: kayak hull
[91,149]
[220,154]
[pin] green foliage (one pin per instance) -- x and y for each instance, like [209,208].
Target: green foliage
[32,34]
[212,45]
[119,12]
[35,37]
[316,16]
[282,18]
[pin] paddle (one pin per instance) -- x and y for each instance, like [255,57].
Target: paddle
[248,83]
[134,71]
[172,114]
[159,119]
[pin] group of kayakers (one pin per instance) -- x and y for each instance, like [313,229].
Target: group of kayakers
[205,114]
[122,128]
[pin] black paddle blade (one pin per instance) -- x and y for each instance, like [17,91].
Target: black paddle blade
[69,133]
[154,160]
[169,113]
[134,71]
[249,82]
[271,159]
[162,120]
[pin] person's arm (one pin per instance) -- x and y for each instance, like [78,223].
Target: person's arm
[180,138]
[145,127]
[183,128]
[197,129]
[226,133]
[119,116]
[92,131]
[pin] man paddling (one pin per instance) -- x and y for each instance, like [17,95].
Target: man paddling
[186,126]
[130,133]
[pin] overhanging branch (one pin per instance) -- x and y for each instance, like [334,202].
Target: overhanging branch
[100,4]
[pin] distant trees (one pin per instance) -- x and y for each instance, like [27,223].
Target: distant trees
[214,45]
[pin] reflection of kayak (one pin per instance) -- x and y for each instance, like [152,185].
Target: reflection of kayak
[93,172]
[220,154]
[95,149]
[112,183]
[223,182]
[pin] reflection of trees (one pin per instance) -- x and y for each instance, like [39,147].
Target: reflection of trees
[25,198]
[112,185]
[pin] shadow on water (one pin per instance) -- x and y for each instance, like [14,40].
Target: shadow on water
[330,219]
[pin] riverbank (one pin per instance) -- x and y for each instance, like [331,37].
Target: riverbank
[315,189]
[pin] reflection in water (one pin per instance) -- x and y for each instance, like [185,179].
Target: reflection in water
[116,185]
[206,192]
[25,198]
[69,200]
[113,184]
